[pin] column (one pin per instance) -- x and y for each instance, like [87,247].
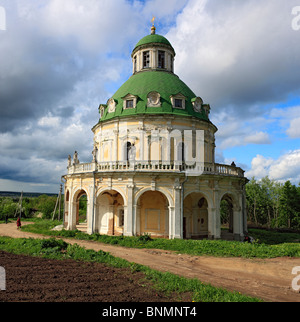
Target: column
[142,145]
[137,220]
[171,222]
[115,145]
[237,223]
[130,211]
[178,231]
[215,228]
[72,216]
[110,230]
[211,222]
[90,211]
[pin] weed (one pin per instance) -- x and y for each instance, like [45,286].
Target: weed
[145,238]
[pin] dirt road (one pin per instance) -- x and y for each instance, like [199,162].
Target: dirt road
[268,279]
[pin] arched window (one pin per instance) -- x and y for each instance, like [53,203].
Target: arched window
[161,59]
[146,59]
[127,151]
[134,64]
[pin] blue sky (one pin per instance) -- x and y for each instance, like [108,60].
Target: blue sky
[60,59]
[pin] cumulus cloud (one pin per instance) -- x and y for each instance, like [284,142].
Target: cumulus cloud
[59,61]
[258,138]
[241,54]
[286,167]
[294,130]
[288,119]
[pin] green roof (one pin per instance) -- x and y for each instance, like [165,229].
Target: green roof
[141,84]
[153,39]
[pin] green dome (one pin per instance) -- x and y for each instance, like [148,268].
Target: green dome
[141,84]
[153,39]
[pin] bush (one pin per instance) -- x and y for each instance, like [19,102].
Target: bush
[145,238]
[54,243]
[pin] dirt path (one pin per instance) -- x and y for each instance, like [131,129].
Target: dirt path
[269,279]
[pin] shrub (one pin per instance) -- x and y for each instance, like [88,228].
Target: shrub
[54,243]
[145,238]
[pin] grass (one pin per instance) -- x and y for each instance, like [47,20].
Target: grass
[269,245]
[165,282]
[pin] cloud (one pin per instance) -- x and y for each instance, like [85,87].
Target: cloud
[232,131]
[294,130]
[289,120]
[59,61]
[241,54]
[258,138]
[286,167]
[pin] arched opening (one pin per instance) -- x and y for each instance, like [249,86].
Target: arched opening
[81,202]
[153,214]
[195,216]
[226,213]
[110,213]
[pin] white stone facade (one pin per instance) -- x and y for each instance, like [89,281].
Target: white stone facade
[155,173]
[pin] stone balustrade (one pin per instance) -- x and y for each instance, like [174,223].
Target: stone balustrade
[157,166]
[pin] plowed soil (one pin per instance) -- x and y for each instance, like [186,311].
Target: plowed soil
[268,279]
[32,279]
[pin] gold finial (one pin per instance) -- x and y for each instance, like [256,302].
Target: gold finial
[153,28]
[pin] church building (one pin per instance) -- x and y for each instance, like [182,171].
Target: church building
[153,168]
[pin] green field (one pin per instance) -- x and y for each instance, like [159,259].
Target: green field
[268,244]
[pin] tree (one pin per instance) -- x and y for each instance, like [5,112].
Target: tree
[253,198]
[46,205]
[289,205]
[8,207]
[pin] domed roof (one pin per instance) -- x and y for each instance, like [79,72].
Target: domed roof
[153,89]
[143,83]
[153,39]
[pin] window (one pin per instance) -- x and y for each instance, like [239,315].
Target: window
[161,59]
[101,110]
[129,104]
[178,103]
[129,101]
[146,59]
[134,64]
[128,148]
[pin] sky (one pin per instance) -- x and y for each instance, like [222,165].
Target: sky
[60,59]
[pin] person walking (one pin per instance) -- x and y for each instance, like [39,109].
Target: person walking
[19,223]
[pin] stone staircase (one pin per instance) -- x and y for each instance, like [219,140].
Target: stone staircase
[82,227]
